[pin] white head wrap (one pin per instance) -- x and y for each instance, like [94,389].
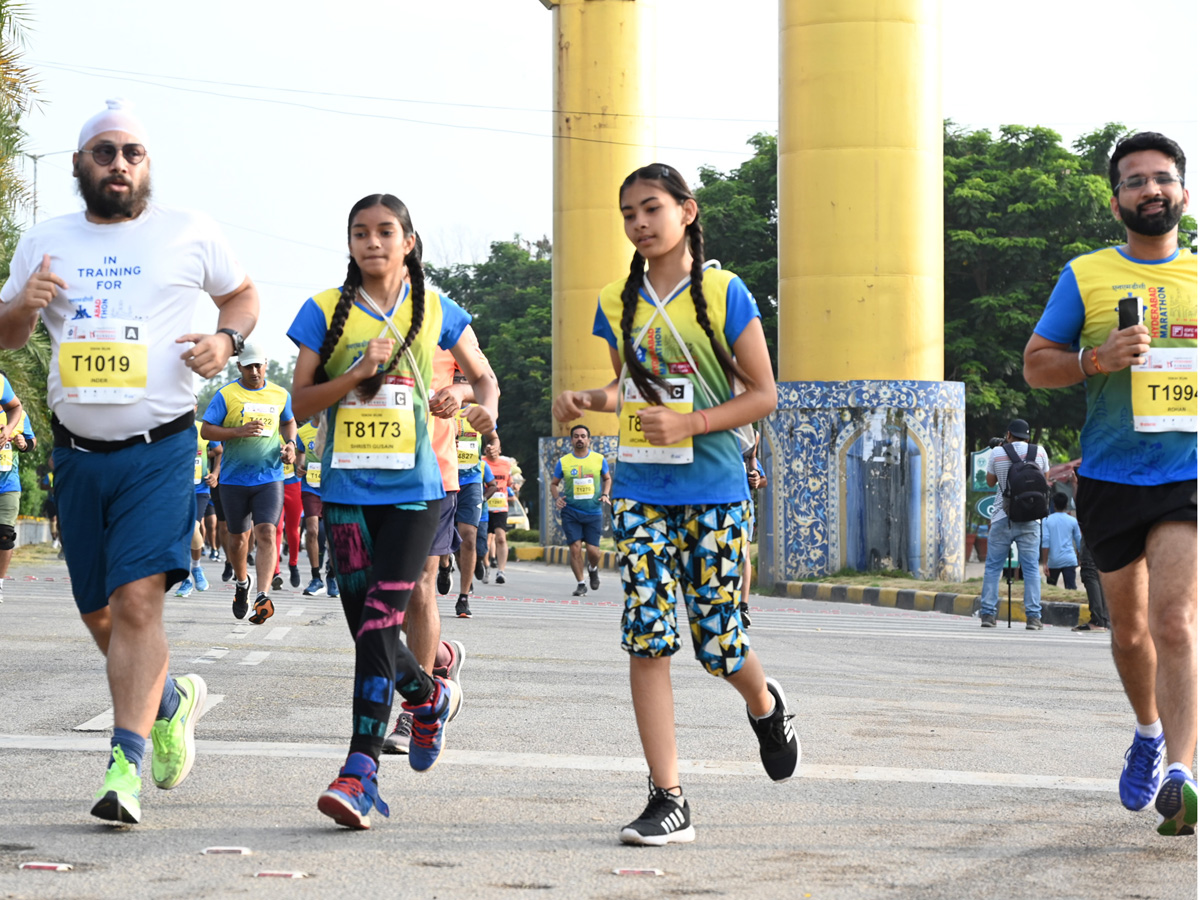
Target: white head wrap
[119,116]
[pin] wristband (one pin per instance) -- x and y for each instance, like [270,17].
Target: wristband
[1082,350]
[704,416]
[1096,362]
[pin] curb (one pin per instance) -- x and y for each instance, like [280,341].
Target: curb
[1054,612]
[562,556]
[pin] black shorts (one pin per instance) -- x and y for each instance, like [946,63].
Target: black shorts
[202,503]
[446,539]
[497,521]
[1115,518]
[259,504]
[216,502]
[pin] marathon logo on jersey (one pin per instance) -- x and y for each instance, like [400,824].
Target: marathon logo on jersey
[682,368]
[1157,316]
[98,333]
[1184,332]
[406,380]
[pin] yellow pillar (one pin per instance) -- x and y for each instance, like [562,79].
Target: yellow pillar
[860,190]
[603,130]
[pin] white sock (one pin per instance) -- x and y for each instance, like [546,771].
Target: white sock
[1153,730]
[770,712]
[1180,767]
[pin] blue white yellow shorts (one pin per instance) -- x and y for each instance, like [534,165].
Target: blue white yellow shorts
[700,547]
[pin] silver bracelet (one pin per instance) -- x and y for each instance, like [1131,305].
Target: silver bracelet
[1082,350]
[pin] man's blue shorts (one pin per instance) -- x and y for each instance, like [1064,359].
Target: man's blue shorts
[470,499]
[126,515]
[579,527]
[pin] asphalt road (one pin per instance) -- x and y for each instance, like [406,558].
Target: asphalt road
[940,760]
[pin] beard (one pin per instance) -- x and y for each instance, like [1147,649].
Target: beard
[104,204]
[1153,225]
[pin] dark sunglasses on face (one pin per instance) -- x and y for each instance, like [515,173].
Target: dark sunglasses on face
[105,153]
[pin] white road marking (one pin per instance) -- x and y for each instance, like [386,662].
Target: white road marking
[298,611]
[212,655]
[541,761]
[104,721]
[242,631]
[254,657]
[276,634]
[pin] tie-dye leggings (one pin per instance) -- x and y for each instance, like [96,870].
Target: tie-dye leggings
[379,552]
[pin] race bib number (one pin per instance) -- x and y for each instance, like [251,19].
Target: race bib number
[1164,390]
[468,452]
[584,488]
[266,413]
[289,470]
[312,475]
[104,360]
[498,502]
[380,433]
[6,458]
[634,447]
[197,475]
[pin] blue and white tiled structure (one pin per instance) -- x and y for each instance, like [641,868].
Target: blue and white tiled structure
[863,475]
[550,451]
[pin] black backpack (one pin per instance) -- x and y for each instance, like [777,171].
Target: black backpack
[1026,493]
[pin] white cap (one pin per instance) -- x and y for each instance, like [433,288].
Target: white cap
[119,116]
[251,355]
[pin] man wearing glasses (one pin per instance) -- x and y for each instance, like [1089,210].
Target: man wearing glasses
[116,286]
[1123,320]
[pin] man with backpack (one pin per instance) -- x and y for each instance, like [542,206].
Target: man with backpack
[1017,469]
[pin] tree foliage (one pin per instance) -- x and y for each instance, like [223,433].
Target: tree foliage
[509,298]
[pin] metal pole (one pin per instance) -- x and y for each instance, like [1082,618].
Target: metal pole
[1008,572]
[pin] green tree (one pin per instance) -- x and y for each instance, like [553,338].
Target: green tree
[509,298]
[740,214]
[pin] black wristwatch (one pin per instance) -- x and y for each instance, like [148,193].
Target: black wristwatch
[236,336]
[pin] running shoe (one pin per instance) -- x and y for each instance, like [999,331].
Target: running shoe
[1089,626]
[500,577]
[350,797]
[1176,805]
[241,597]
[462,608]
[250,558]
[580,590]
[277,582]
[987,620]
[185,588]
[294,575]
[174,738]
[263,609]
[452,674]
[331,587]
[227,574]
[429,723]
[117,799]
[778,746]
[479,571]
[443,579]
[397,741]
[198,578]
[1033,624]
[594,578]
[315,587]
[1,591]
[744,610]
[1143,772]
[665,820]
[214,555]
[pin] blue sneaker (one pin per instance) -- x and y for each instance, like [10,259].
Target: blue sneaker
[356,789]
[185,588]
[315,587]
[429,723]
[331,587]
[1176,805]
[198,578]
[1143,772]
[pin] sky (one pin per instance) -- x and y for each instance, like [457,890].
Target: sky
[275,118]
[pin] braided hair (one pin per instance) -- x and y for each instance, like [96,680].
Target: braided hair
[647,382]
[349,292]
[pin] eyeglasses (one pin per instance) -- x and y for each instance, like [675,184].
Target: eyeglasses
[105,153]
[1137,182]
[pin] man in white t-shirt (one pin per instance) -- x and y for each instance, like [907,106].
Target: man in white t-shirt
[117,287]
[1003,533]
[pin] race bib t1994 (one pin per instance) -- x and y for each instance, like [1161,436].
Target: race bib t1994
[634,446]
[103,360]
[379,433]
[1164,390]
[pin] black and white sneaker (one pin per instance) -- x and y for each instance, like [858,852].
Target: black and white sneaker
[397,741]
[443,579]
[665,820]
[594,578]
[241,597]
[580,590]
[744,610]
[778,746]
[462,608]
[499,578]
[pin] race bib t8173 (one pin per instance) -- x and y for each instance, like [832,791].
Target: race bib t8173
[103,360]
[379,433]
[634,447]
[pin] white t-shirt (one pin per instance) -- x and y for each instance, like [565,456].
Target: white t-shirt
[999,464]
[148,272]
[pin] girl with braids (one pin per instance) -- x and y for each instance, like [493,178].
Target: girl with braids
[680,333]
[365,359]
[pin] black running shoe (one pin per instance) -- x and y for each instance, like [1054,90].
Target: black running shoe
[594,579]
[263,609]
[294,576]
[580,590]
[744,609]
[665,820]
[462,608]
[479,573]
[241,598]
[277,582]
[443,580]
[778,746]
[228,573]
[499,578]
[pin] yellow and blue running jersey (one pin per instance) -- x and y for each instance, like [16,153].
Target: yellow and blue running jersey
[251,461]
[582,478]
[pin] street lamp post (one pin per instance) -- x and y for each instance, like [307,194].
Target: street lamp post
[35,157]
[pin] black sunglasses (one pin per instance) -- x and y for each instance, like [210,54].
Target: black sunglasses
[105,153]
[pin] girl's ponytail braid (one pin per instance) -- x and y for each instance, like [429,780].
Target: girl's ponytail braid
[695,235]
[647,382]
[337,323]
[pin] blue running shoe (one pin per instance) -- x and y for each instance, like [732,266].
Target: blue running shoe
[185,588]
[429,723]
[315,587]
[1176,805]
[1143,772]
[198,578]
[331,587]
[356,789]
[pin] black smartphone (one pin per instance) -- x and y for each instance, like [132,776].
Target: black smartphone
[1129,312]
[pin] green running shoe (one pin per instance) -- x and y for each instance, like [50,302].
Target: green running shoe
[117,800]
[174,739]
